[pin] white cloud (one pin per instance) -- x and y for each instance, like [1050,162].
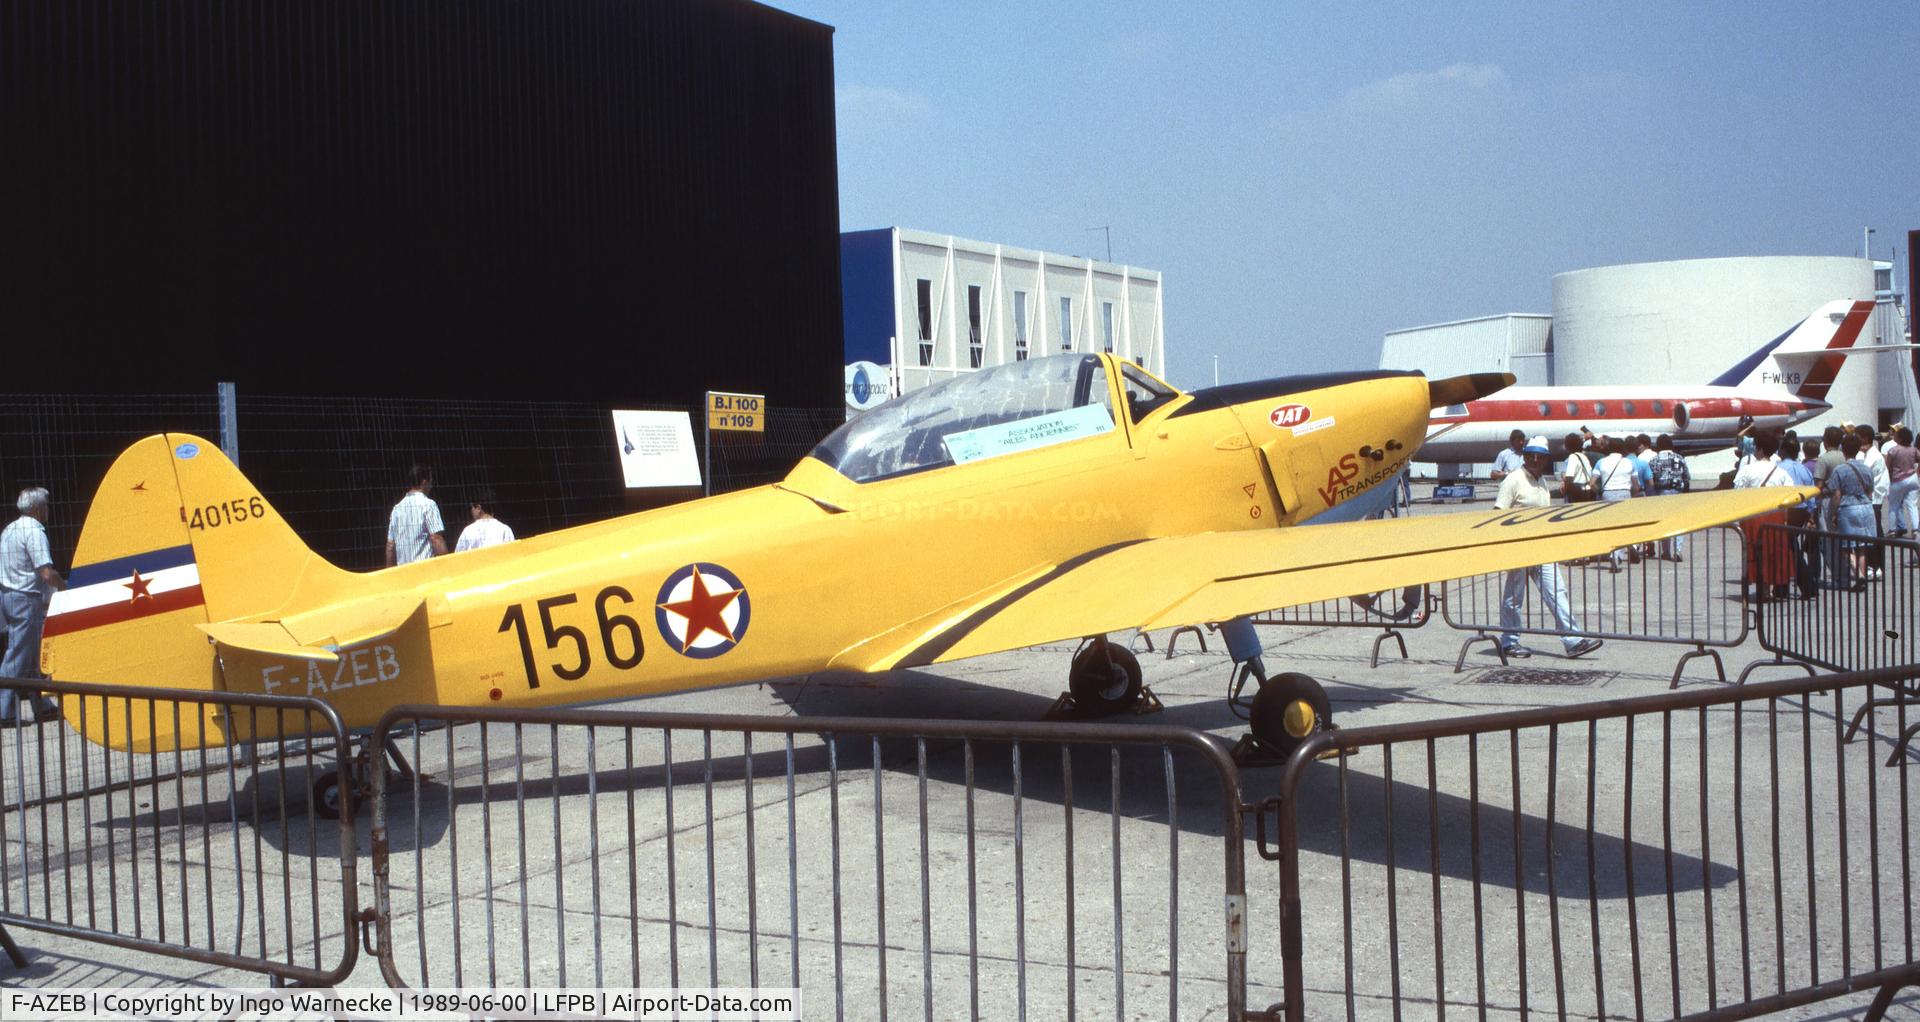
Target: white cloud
[853,102]
[1454,79]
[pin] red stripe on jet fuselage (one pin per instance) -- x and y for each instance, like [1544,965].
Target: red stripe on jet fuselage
[117,613]
[1642,408]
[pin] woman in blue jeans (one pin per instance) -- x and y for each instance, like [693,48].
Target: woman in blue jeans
[1850,487]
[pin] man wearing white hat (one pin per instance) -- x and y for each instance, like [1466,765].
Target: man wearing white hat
[1524,489]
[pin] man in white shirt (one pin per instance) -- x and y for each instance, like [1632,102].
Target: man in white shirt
[1576,476]
[1765,468]
[1524,488]
[486,530]
[1618,479]
[1882,485]
[1508,462]
[415,529]
[27,581]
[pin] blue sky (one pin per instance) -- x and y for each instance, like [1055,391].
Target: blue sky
[1309,176]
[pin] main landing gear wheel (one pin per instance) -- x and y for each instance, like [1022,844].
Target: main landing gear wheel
[1104,678]
[1288,708]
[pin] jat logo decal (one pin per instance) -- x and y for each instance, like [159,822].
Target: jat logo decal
[1289,415]
[702,610]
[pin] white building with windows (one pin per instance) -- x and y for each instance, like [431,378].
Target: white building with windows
[924,307]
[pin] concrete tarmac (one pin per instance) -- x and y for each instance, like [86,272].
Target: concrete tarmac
[542,858]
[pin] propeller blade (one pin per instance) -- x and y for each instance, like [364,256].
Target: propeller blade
[1458,390]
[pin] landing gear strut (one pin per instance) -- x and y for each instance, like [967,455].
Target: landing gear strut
[333,800]
[1285,709]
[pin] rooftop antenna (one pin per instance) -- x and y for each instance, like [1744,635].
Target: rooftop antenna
[1108,231]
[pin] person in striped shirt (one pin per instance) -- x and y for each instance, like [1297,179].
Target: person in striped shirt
[415,530]
[27,581]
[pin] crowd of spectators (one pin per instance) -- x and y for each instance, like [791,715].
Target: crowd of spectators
[1869,488]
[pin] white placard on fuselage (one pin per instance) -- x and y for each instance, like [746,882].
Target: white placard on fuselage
[1028,434]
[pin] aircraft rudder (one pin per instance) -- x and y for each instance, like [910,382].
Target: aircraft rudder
[1802,360]
[250,558]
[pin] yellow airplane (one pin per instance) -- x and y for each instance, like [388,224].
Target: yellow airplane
[1053,499]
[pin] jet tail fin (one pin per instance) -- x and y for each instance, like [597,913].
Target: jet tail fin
[1804,360]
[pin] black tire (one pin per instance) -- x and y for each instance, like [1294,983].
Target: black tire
[1287,709]
[331,799]
[1104,678]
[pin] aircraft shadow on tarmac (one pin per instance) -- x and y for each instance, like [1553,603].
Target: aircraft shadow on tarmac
[1142,787]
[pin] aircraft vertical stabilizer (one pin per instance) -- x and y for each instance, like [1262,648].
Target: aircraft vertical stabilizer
[175,538]
[1804,360]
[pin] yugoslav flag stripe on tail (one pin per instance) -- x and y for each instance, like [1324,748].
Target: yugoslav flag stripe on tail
[148,563]
[124,589]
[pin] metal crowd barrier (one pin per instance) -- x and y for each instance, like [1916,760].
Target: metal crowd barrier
[1852,622]
[1695,601]
[213,855]
[548,847]
[1584,870]
[1393,612]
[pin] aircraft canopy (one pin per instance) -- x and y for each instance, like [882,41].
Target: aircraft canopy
[1016,406]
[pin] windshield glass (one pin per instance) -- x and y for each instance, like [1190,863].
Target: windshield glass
[1144,393]
[1014,407]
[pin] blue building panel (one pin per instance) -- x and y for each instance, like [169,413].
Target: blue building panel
[867,301]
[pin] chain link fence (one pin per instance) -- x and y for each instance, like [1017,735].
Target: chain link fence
[335,465]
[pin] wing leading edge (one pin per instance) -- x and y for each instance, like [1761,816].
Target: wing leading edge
[1188,580]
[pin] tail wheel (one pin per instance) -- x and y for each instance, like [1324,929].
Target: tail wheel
[1287,709]
[1104,678]
[331,799]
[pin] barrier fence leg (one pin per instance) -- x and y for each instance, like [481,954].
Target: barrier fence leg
[1460,662]
[1884,999]
[1905,696]
[1777,661]
[1719,666]
[1384,636]
[13,950]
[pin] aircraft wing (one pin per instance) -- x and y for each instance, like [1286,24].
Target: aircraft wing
[1189,580]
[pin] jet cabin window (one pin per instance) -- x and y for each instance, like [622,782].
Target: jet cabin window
[1001,410]
[1144,393]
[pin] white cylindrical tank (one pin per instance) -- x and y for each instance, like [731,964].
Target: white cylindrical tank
[1692,320]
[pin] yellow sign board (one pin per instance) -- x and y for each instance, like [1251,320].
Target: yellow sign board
[741,413]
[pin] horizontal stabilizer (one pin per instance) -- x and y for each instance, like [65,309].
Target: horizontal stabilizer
[267,637]
[320,635]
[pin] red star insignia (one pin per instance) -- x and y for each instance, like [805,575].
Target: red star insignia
[139,586]
[702,611]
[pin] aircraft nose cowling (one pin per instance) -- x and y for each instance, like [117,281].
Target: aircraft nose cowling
[1458,390]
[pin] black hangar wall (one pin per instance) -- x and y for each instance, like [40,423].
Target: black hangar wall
[604,200]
